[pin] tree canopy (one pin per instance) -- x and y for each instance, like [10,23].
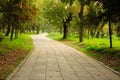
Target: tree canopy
[85,17]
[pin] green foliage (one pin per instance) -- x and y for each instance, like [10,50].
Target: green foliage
[24,44]
[93,44]
[55,12]
[7,45]
[113,7]
[1,34]
[55,36]
[68,1]
[16,13]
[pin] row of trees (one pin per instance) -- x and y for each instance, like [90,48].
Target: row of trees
[84,16]
[14,14]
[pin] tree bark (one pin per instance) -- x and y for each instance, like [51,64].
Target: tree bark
[118,31]
[37,31]
[88,33]
[65,25]
[65,30]
[110,33]
[81,28]
[16,33]
[8,30]
[3,28]
[60,30]
[81,34]
[12,31]
[97,34]
[109,21]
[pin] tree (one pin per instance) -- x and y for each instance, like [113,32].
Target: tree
[112,14]
[57,14]
[18,12]
[94,22]
[68,19]
[81,28]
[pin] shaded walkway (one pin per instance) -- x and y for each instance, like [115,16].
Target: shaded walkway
[51,60]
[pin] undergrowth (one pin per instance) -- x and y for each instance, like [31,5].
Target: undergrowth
[21,45]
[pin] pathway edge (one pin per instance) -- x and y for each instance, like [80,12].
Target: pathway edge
[18,67]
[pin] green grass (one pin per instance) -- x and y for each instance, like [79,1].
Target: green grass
[90,44]
[55,36]
[21,42]
[24,42]
[1,34]
[93,47]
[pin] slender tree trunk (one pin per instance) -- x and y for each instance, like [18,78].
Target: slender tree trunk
[12,31]
[88,33]
[0,28]
[37,29]
[110,34]
[92,33]
[8,30]
[65,30]
[4,28]
[102,34]
[118,31]
[81,28]
[16,33]
[81,34]
[97,34]
[109,21]
[60,30]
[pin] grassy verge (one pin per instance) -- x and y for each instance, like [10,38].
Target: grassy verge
[96,48]
[13,52]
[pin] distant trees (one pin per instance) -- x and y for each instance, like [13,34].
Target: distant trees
[87,18]
[99,13]
[15,13]
[59,13]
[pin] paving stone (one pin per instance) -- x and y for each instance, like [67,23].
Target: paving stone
[51,60]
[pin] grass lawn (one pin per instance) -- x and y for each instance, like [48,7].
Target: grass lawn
[13,52]
[94,47]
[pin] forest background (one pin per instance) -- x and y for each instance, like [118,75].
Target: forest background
[91,26]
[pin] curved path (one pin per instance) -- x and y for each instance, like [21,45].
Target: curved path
[51,60]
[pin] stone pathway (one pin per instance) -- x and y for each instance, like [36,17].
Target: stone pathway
[51,60]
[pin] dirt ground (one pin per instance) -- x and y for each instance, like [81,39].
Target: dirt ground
[9,61]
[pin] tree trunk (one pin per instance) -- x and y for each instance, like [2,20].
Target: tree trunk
[3,28]
[60,30]
[16,33]
[81,34]
[65,25]
[8,30]
[65,30]
[81,28]
[102,34]
[12,31]
[97,34]
[37,31]
[88,33]
[109,21]
[110,34]
[118,31]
